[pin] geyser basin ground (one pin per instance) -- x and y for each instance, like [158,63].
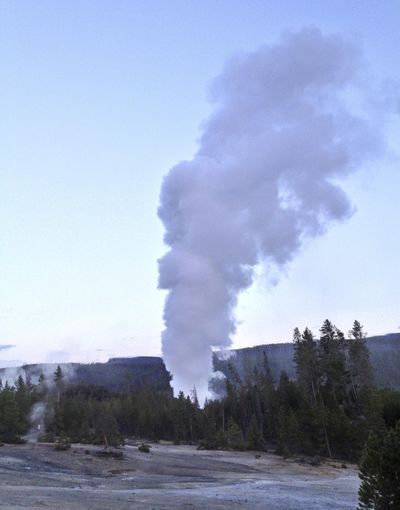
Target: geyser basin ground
[170,477]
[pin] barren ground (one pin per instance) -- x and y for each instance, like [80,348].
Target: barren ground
[170,477]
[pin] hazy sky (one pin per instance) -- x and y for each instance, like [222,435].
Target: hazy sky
[98,100]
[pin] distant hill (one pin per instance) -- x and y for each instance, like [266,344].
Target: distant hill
[385,359]
[118,374]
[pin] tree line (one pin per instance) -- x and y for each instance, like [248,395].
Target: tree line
[330,410]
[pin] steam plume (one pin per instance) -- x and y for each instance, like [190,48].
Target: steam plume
[263,180]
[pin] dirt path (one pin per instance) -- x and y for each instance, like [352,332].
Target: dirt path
[170,477]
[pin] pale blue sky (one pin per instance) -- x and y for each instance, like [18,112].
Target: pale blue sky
[98,100]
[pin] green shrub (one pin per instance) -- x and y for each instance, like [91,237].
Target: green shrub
[144,448]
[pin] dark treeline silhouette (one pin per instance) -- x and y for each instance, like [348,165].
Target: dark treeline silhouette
[329,409]
[117,374]
[384,353]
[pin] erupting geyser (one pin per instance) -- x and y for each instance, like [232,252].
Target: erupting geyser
[263,180]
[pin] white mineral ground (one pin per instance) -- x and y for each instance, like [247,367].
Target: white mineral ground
[170,477]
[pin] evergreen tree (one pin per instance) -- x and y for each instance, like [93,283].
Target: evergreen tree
[255,440]
[268,401]
[23,400]
[307,363]
[367,407]
[390,400]
[235,436]
[107,430]
[380,472]
[310,365]
[11,424]
[41,386]
[333,363]
[58,378]
[360,369]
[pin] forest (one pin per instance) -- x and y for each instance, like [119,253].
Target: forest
[329,410]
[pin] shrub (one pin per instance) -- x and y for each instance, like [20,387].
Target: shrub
[144,448]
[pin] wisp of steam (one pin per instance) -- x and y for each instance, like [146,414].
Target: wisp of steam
[265,178]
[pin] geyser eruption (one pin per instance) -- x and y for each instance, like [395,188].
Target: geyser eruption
[263,180]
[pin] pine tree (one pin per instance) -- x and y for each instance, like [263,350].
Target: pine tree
[107,427]
[268,400]
[23,400]
[333,363]
[380,472]
[58,380]
[58,376]
[11,425]
[309,367]
[367,410]
[360,369]
[307,363]
[255,440]
[235,436]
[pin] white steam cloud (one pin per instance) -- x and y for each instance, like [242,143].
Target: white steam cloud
[263,180]
[36,419]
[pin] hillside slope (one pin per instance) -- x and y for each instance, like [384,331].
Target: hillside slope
[385,359]
[118,374]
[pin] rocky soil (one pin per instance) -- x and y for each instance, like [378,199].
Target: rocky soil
[34,476]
